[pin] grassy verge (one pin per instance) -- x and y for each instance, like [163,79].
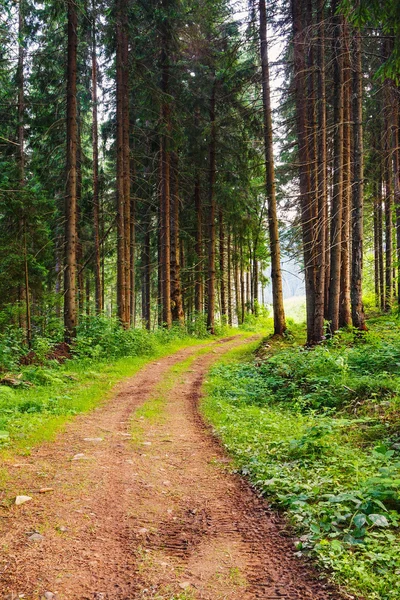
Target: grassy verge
[317,432]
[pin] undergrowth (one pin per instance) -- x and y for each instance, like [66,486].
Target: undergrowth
[318,432]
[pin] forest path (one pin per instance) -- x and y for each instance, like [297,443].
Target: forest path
[143,506]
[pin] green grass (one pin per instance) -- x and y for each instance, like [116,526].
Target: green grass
[317,432]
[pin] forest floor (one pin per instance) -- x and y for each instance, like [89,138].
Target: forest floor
[136,500]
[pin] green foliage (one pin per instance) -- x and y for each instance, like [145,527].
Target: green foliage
[12,347]
[317,432]
[101,337]
[260,319]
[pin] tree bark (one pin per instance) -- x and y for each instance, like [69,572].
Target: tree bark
[96,200]
[222,274]
[337,198]
[357,307]
[199,290]
[211,217]
[388,221]
[229,283]
[121,165]
[322,183]
[176,290]
[70,272]
[273,229]
[237,280]
[146,296]
[345,303]
[306,203]
[396,175]
[165,182]
[126,167]
[21,166]
[242,288]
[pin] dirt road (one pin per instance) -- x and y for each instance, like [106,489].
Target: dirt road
[144,507]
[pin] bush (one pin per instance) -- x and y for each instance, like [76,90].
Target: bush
[12,347]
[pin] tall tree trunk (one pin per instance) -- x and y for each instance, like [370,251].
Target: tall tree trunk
[211,216]
[87,294]
[229,283]
[377,250]
[249,307]
[222,273]
[132,256]
[273,229]
[176,290]
[146,298]
[199,291]
[396,174]
[337,198]
[121,165]
[242,289]
[322,183]
[255,280]
[380,243]
[345,307]
[96,198]
[127,167]
[357,307]
[165,184]
[21,165]
[388,224]
[79,223]
[70,313]
[237,280]
[306,204]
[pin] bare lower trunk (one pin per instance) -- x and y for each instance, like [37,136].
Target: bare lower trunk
[357,307]
[396,175]
[146,301]
[229,283]
[211,217]
[70,312]
[222,274]
[165,183]
[276,273]
[96,202]
[321,263]
[121,164]
[199,291]
[345,307]
[237,282]
[21,166]
[337,198]
[176,292]
[306,203]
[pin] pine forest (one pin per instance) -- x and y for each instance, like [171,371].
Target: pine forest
[181,179]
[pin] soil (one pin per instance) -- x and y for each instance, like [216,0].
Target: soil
[144,506]
[59,352]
